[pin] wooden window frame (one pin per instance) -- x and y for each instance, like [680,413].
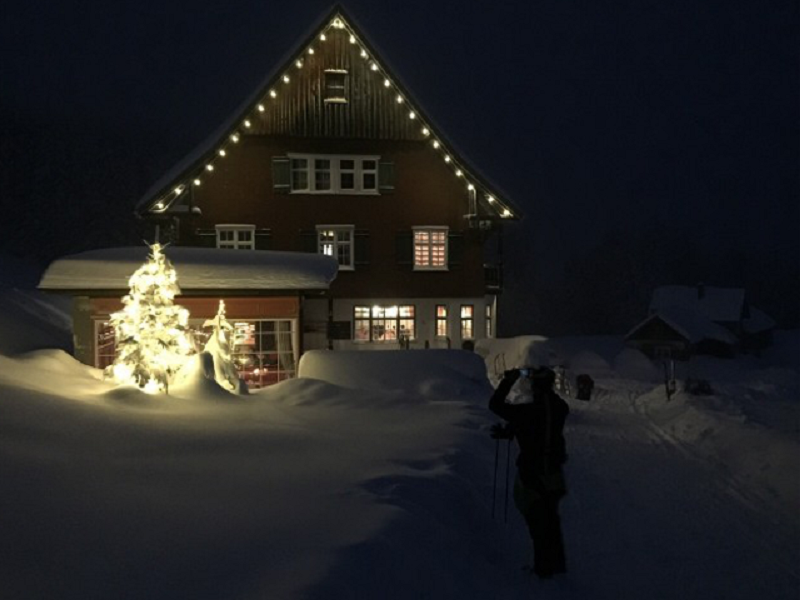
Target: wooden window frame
[237,243]
[440,321]
[371,317]
[360,173]
[335,243]
[330,91]
[467,313]
[418,242]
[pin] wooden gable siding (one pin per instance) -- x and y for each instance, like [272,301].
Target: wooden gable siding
[426,193]
[300,108]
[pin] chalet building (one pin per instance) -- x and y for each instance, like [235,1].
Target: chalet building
[334,156]
[684,321]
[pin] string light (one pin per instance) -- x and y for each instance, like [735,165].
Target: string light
[375,67]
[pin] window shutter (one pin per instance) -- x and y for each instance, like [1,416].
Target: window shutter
[404,248]
[455,249]
[206,238]
[263,239]
[361,241]
[308,241]
[386,177]
[281,175]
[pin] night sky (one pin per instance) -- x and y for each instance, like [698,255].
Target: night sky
[647,142]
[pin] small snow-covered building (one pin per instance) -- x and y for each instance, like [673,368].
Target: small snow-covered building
[264,292]
[686,320]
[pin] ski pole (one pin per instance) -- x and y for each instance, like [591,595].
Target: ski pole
[508,469]
[494,484]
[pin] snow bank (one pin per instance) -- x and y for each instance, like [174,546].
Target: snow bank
[428,373]
[198,269]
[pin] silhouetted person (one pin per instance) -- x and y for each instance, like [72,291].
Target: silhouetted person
[537,423]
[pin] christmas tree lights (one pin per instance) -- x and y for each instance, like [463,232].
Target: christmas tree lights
[220,347]
[151,331]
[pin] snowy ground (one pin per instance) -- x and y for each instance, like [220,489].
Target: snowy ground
[374,480]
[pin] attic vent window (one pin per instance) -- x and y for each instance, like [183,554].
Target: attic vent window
[335,86]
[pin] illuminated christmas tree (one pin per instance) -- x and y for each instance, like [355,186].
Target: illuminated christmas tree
[151,331]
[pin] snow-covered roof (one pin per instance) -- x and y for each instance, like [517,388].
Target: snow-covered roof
[692,325]
[716,304]
[197,268]
[758,321]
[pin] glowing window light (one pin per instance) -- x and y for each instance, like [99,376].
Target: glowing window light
[412,115]
[261,108]
[209,167]
[222,153]
[426,131]
[273,93]
[286,79]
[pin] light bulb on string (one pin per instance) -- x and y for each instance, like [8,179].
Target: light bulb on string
[273,93]
[261,108]
[222,153]
[209,167]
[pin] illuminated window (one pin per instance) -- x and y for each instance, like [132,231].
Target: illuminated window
[384,323]
[264,352]
[336,241]
[430,248]
[236,237]
[335,86]
[333,174]
[488,320]
[441,320]
[467,321]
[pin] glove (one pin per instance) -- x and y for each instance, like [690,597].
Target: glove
[501,432]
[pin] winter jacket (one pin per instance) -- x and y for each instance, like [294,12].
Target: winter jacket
[538,427]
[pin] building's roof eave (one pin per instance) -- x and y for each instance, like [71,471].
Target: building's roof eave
[171,190]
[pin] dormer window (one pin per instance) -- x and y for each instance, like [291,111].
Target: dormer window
[335,86]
